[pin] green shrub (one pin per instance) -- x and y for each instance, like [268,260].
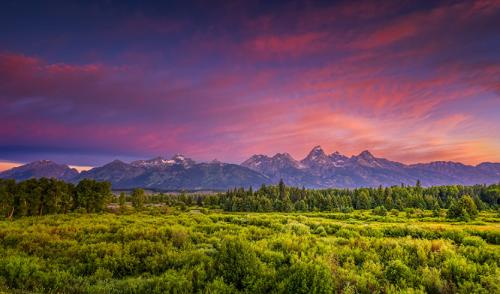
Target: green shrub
[310,277]
[396,270]
[345,233]
[474,241]
[80,210]
[296,228]
[237,263]
[320,230]
[179,236]
[457,235]
[347,210]
[380,211]
[431,281]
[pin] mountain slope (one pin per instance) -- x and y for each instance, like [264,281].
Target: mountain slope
[490,167]
[281,166]
[39,169]
[463,174]
[178,173]
[336,170]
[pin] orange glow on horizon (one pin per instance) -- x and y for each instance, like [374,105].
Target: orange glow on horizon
[8,165]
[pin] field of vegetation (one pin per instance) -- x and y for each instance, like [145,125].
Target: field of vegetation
[274,240]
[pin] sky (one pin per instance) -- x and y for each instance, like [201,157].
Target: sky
[84,83]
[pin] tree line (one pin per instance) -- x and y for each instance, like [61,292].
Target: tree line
[51,196]
[38,197]
[280,198]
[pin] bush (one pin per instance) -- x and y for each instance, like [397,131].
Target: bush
[80,210]
[345,233]
[474,241]
[347,210]
[320,230]
[179,236]
[379,211]
[396,270]
[237,263]
[311,277]
[296,228]
[431,281]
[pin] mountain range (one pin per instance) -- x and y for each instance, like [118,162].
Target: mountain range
[317,170]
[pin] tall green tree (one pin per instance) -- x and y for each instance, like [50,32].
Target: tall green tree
[363,201]
[122,201]
[138,197]
[282,189]
[7,197]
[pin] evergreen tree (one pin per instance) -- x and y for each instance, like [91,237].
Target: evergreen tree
[122,202]
[454,211]
[281,189]
[464,216]
[287,205]
[388,202]
[364,201]
[468,204]
[138,198]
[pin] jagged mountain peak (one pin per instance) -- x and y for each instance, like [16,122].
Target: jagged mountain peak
[256,159]
[315,152]
[181,159]
[281,156]
[179,156]
[157,161]
[366,154]
[365,158]
[317,149]
[259,156]
[338,159]
[316,157]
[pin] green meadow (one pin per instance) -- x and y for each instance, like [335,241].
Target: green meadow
[62,238]
[164,250]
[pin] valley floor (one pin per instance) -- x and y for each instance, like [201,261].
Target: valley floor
[168,251]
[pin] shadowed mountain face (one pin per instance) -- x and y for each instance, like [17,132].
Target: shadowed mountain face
[490,167]
[40,169]
[317,170]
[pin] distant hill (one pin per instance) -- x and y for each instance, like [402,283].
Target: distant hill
[317,170]
[40,169]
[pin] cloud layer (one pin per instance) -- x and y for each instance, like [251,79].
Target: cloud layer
[412,83]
